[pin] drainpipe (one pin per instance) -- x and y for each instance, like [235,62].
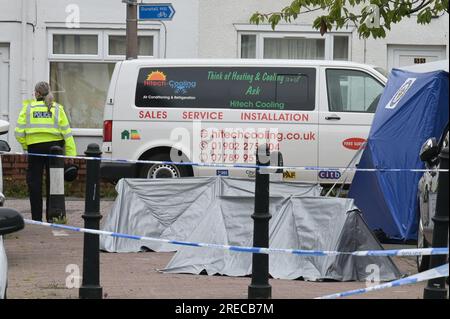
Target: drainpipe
[365,51]
[23,76]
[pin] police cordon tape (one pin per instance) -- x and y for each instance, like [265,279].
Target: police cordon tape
[257,250]
[227,165]
[438,272]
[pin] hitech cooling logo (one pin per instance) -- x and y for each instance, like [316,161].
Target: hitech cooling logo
[392,104]
[159,79]
[182,87]
[156,78]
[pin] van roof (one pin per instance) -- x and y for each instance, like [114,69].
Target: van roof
[244,62]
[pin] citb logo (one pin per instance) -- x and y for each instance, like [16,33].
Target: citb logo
[330,174]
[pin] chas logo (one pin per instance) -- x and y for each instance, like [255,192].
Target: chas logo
[156,78]
[392,104]
[289,175]
[222,172]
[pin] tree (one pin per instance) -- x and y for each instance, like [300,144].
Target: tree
[371,17]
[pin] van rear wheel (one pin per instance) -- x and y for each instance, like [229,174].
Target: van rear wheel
[163,170]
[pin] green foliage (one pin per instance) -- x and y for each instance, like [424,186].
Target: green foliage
[19,189]
[14,189]
[108,191]
[371,17]
[62,220]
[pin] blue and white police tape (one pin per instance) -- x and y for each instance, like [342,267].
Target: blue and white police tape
[233,165]
[258,250]
[438,272]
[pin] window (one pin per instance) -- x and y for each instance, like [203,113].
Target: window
[352,91]
[81,87]
[294,48]
[75,44]
[340,48]
[81,66]
[228,88]
[117,45]
[294,45]
[248,46]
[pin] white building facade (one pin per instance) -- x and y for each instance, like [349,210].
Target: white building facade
[74,45]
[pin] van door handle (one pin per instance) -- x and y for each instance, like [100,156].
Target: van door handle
[332,117]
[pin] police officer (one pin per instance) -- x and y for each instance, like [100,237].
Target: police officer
[42,124]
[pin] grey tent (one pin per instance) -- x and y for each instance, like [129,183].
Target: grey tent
[172,209]
[218,210]
[310,223]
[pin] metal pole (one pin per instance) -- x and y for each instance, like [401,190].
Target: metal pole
[91,288]
[436,287]
[131,33]
[260,287]
[56,201]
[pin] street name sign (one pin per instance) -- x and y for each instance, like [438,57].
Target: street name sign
[157,11]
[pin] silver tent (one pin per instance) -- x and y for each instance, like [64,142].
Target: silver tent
[218,210]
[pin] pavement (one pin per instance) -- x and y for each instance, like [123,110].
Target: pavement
[46,263]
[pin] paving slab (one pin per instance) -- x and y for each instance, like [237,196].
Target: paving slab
[44,263]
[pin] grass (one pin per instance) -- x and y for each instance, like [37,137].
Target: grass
[14,189]
[53,285]
[11,236]
[62,220]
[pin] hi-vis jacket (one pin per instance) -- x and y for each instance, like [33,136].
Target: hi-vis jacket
[37,125]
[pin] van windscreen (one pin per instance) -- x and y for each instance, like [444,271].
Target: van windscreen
[266,88]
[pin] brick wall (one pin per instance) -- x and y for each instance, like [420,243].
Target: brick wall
[15,170]
[14,167]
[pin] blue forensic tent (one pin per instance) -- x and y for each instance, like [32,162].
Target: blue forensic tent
[412,108]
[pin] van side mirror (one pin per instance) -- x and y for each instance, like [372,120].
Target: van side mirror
[429,150]
[4,146]
[10,221]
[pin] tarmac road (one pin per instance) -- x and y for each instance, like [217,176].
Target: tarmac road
[43,262]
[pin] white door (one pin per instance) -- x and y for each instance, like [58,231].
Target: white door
[406,55]
[346,113]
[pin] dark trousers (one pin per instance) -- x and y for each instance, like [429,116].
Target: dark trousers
[35,175]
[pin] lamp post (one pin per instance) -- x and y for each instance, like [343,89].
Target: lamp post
[131,33]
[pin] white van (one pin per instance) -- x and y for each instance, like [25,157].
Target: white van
[316,113]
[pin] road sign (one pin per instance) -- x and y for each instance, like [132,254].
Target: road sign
[158,11]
